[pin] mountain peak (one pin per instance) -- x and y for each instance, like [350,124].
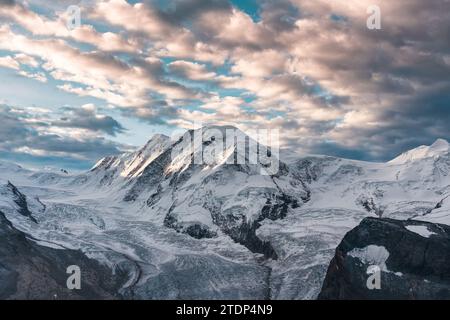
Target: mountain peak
[216,128]
[157,138]
[439,147]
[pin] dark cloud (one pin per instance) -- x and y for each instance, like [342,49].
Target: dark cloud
[87,118]
[337,150]
[22,139]
[155,113]
[182,11]
[279,15]
[411,121]
[7,2]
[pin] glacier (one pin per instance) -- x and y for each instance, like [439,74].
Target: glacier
[176,229]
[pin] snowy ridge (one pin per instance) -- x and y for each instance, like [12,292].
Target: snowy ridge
[438,148]
[132,164]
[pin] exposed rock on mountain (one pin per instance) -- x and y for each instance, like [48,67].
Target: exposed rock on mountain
[9,192]
[32,271]
[412,258]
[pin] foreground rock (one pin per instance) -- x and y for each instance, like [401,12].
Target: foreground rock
[31,271]
[396,259]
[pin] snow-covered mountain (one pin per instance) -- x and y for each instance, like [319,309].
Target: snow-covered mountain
[225,227]
[440,148]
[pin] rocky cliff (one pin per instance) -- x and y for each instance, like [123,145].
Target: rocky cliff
[391,259]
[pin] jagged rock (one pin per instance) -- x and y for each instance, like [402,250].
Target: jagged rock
[197,231]
[413,259]
[20,200]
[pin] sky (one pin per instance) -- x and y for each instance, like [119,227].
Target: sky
[311,69]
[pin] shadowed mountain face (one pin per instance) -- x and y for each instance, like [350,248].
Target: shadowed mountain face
[171,227]
[413,259]
[32,271]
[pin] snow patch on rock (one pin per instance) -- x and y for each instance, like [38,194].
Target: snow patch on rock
[420,230]
[372,255]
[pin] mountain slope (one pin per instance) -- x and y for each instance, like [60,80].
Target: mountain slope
[31,271]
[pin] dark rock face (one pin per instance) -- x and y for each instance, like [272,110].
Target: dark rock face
[30,271]
[417,264]
[197,231]
[21,201]
[246,235]
[277,207]
[369,204]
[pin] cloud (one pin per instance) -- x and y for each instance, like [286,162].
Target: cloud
[191,70]
[9,62]
[7,2]
[43,26]
[86,117]
[260,64]
[18,61]
[137,18]
[26,133]
[97,73]
[26,60]
[310,68]
[39,76]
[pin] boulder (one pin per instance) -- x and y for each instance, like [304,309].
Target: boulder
[390,259]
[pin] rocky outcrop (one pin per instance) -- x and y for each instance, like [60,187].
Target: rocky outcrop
[32,271]
[391,259]
[197,231]
[20,200]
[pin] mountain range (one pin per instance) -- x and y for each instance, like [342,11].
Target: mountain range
[155,224]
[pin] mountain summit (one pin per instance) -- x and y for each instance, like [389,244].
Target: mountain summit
[438,148]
